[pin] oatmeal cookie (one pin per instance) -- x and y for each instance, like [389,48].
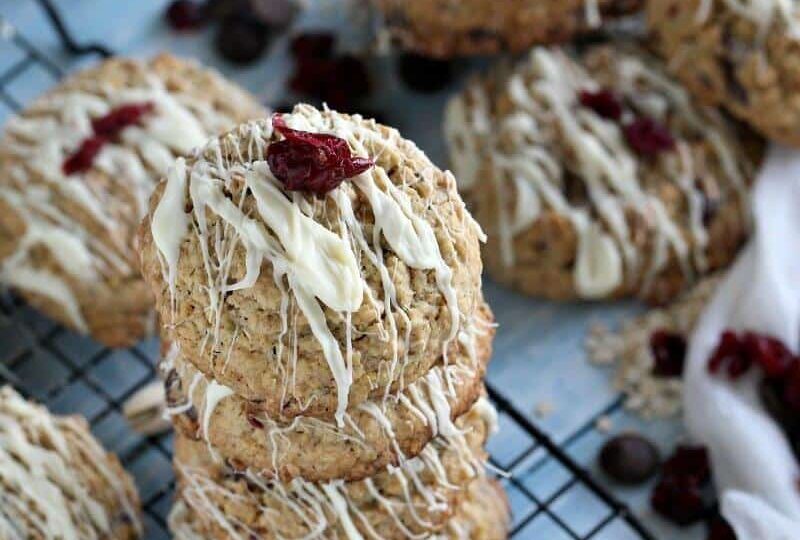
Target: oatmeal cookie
[484,515]
[56,481]
[417,497]
[744,56]
[76,170]
[376,433]
[597,176]
[448,28]
[312,304]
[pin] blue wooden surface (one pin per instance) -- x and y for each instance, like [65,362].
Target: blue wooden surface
[539,355]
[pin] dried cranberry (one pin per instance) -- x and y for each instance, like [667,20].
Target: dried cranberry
[669,353]
[768,352]
[604,102]
[81,160]
[339,82]
[689,461]
[186,15]
[729,354]
[313,45]
[255,422]
[679,499]
[720,529]
[791,388]
[425,75]
[119,118]
[648,138]
[629,458]
[313,162]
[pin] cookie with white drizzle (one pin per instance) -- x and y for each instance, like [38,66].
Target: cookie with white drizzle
[56,481]
[740,55]
[483,515]
[416,498]
[597,176]
[444,29]
[376,433]
[310,304]
[76,170]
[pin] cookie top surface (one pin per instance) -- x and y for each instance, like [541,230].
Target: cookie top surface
[310,303]
[376,433]
[444,28]
[742,56]
[76,170]
[56,481]
[416,498]
[608,145]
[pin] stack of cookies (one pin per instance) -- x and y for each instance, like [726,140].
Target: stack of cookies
[319,282]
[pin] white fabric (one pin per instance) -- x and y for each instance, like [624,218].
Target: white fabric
[755,471]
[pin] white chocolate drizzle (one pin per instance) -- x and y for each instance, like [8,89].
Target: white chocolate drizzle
[313,265]
[55,128]
[522,158]
[425,398]
[42,460]
[762,13]
[321,506]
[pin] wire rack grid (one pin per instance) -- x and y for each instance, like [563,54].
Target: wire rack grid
[71,374]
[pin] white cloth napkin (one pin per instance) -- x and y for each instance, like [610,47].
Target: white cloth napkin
[755,472]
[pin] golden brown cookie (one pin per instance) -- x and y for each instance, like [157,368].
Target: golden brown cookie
[76,170]
[312,304]
[418,497]
[743,56]
[448,28]
[376,433]
[56,481]
[597,176]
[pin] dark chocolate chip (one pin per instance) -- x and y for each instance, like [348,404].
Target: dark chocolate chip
[629,458]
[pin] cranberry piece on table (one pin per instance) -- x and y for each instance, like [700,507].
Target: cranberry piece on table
[769,353]
[629,458]
[690,461]
[186,15]
[679,499]
[313,45]
[720,529]
[669,353]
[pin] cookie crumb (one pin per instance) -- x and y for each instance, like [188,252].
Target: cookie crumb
[604,424]
[628,350]
[543,409]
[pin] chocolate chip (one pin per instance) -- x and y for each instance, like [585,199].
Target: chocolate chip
[241,40]
[425,75]
[629,458]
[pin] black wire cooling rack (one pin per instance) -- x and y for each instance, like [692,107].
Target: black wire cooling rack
[72,374]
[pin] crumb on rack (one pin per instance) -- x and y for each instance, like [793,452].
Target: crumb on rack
[543,409]
[604,424]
